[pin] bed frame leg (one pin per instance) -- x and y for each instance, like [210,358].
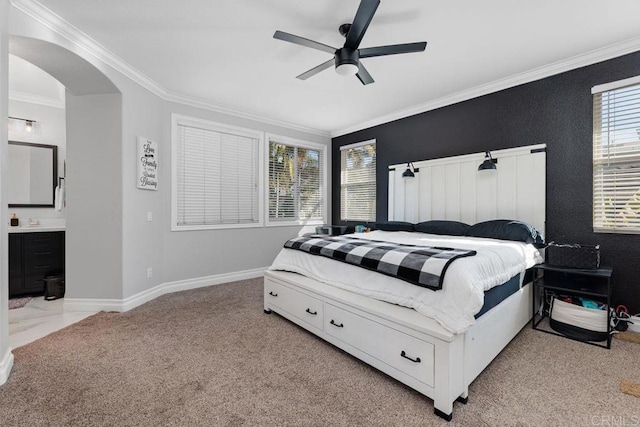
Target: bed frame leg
[446,417]
[464,397]
[267,311]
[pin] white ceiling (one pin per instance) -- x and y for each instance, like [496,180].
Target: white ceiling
[223,51]
[31,84]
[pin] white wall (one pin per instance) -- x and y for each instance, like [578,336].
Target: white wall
[94,197]
[52,131]
[191,254]
[6,358]
[143,244]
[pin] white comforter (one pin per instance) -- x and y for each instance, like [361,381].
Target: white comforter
[465,281]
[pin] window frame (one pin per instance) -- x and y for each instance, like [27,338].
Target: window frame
[177,119]
[323,181]
[375,199]
[598,161]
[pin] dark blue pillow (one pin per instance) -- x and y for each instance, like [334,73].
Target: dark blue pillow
[505,229]
[450,228]
[394,226]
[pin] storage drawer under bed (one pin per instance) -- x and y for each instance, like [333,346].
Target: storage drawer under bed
[399,350]
[298,304]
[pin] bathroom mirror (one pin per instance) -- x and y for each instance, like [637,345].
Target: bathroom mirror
[32,174]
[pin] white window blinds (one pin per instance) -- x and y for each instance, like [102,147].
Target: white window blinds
[358,182]
[296,182]
[616,159]
[216,182]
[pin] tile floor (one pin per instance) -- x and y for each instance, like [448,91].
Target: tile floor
[40,318]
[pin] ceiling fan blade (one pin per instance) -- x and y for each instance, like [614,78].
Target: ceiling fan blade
[315,70]
[364,75]
[394,49]
[361,22]
[280,35]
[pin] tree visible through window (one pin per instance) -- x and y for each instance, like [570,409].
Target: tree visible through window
[295,182]
[616,157]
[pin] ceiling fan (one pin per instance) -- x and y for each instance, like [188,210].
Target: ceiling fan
[347,58]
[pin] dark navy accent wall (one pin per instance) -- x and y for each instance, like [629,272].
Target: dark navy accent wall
[556,111]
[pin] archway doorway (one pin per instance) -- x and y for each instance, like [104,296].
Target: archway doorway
[93,142]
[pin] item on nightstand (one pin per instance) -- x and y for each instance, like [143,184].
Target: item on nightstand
[15,221]
[578,322]
[584,257]
[331,230]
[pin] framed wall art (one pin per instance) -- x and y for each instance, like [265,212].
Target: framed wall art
[147,177]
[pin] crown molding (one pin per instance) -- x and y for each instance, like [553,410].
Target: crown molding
[65,29]
[205,105]
[57,24]
[46,101]
[578,61]
[60,26]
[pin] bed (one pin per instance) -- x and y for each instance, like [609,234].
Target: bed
[436,342]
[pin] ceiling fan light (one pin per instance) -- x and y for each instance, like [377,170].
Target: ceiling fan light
[347,69]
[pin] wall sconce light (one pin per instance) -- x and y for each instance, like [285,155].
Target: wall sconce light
[25,125]
[489,162]
[409,173]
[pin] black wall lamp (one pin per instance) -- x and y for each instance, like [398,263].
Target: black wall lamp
[409,173]
[489,162]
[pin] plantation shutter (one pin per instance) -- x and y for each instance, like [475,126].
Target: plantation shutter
[217,177]
[358,182]
[295,182]
[616,157]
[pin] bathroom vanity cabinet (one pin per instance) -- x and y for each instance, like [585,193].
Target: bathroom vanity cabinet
[32,257]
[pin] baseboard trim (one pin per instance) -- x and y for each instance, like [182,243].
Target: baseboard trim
[6,363]
[122,305]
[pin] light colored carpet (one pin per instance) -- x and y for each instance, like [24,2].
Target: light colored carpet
[211,357]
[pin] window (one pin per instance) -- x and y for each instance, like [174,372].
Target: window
[358,181]
[296,181]
[616,157]
[216,172]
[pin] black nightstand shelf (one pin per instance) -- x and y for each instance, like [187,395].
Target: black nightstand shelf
[591,284]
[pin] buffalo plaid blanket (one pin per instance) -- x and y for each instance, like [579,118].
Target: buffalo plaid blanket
[423,266]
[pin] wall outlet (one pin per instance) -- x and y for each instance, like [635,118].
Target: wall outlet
[149,216]
[149,272]
[635,327]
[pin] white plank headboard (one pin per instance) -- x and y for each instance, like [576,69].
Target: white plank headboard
[452,188]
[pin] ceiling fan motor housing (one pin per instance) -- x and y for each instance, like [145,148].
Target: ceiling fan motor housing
[346,56]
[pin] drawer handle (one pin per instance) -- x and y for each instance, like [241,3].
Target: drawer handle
[43,253]
[43,266]
[403,354]
[272,294]
[312,312]
[337,325]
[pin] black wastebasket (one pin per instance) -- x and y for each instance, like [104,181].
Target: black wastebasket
[53,287]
